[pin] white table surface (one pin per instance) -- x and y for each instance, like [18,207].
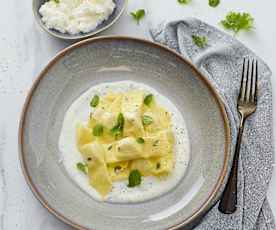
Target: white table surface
[24,51]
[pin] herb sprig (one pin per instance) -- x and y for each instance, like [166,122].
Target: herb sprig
[138,15]
[236,21]
[200,41]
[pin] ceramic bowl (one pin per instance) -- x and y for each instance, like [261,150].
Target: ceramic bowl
[120,7]
[109,59]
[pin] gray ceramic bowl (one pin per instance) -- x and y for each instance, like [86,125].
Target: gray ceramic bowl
[120,7]
[108,59]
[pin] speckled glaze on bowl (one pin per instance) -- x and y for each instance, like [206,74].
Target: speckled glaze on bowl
[120,7]
[108,59]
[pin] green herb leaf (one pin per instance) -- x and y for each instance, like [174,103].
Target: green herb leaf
[109,148]
[138,15]
[238,21]
[214,3]
[148,99]
[98,130]
[140,140]
[134,178]
[184,1]
[121,120]
[158,165]
[118,129]
[147,120]
[95,101]
[82,167]
[201,42]
[155,143]
[56,1]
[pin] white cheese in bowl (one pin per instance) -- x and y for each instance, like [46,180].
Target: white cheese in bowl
[75,16]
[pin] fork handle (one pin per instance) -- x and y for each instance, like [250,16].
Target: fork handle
[228,202]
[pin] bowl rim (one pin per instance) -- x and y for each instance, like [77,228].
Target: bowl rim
[206,205]
[77,36]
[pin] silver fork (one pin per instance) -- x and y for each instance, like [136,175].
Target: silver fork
[247,104]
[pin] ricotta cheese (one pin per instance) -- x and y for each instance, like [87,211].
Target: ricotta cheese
[75,16]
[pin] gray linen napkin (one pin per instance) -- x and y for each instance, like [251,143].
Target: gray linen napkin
[221,62]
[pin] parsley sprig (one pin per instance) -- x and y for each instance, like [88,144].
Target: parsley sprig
[200,41]
[236,21]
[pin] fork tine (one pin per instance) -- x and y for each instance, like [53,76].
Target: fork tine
[252,82]
[242,88]
[247,89]
[256,82]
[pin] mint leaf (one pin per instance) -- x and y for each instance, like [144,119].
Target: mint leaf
[134,178]
[184,1]
[140,140]
[95,101]
[118,129]
[98,130]
[148,99]
[138,15]
[82,167]
[214,3]
[147,120]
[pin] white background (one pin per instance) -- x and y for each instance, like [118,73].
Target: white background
[25,49]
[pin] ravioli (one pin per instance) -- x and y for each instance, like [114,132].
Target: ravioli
[126,142]
[98,174]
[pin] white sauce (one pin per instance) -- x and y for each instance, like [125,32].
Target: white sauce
[151,187]
[75,16]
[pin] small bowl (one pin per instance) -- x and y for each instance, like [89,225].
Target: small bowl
[119,9]
[111,59]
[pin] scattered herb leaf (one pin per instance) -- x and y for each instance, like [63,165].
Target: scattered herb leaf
[98,130]
[238,21]
[138,15]
[158,165]
[148,99]
[134,178]
[56,1]
[184,1]
[140,140]
[214,3]
[155,143]
[82,167]
[109,147]
[95,101]
[201,42]
[118,129]
[147,120]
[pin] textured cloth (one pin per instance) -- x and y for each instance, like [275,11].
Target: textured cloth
[221,62]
